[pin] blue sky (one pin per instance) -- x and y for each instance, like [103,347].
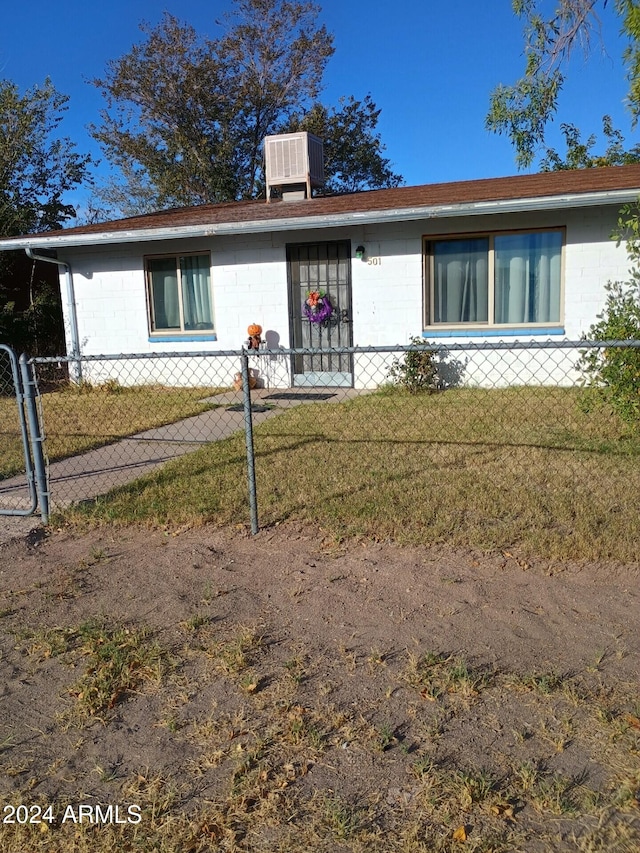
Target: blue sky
[429,65]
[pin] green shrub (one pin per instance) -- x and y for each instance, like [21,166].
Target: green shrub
[613,373]
[415,370]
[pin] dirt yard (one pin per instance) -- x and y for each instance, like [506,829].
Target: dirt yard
[289,692]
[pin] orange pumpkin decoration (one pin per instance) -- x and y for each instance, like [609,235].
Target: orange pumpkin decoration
[254,330]
[237,380]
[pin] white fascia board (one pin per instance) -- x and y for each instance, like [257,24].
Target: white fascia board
[336,220]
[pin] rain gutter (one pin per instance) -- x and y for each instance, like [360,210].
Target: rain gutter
[330,220]
[71,301]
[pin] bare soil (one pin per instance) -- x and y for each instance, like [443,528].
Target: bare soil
[327,695]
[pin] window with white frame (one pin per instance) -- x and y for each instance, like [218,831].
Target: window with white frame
[179,293]
[496,279]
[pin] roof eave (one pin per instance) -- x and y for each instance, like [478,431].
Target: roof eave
[335,220]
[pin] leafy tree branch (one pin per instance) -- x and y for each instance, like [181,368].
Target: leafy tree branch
[523,110]
[579,154]
[37,168]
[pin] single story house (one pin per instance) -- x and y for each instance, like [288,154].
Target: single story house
[519,258]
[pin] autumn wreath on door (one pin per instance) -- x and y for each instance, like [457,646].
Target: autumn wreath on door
[317,306]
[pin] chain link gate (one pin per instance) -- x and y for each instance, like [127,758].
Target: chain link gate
[23,476]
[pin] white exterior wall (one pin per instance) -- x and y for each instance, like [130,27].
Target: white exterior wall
[249,284]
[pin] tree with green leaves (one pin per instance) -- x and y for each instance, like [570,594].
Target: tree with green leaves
[38,167]
[353,158]
[579,154]
[165,120]
[523,110]
[276,53]
[186,116]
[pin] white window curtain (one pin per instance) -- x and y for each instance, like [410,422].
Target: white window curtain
[164,292]
[461,281]
[527,277]
[196,292]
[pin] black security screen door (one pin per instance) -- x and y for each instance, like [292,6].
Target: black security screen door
[323,267]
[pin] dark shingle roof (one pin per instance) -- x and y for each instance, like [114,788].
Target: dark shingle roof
[543,185]
[458,192]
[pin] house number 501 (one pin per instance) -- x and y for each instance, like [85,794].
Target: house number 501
[374,262]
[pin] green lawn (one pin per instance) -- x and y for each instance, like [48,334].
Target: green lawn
[522,469]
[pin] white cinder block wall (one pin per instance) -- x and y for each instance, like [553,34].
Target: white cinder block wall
[249,283]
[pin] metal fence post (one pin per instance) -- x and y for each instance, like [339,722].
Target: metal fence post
[248,434]
[24,435]
[30,394]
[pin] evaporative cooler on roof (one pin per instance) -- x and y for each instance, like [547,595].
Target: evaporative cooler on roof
[293,164]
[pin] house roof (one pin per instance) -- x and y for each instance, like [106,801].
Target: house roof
[547,190]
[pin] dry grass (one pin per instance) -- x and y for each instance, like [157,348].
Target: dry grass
[288,746]
[270,731]
[270,762]
[116,661]
[522,469]
[78,418]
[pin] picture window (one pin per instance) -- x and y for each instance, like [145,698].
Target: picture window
[506,279]
[179,292]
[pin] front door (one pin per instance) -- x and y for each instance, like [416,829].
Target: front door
[321,268]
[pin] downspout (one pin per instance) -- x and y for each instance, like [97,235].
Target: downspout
[71,304]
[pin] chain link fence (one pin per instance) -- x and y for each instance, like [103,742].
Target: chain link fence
[130,414]
[492,445]
[476,443]
[22,473]
[12,438]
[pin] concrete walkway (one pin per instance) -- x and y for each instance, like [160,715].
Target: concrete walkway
[93,473]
